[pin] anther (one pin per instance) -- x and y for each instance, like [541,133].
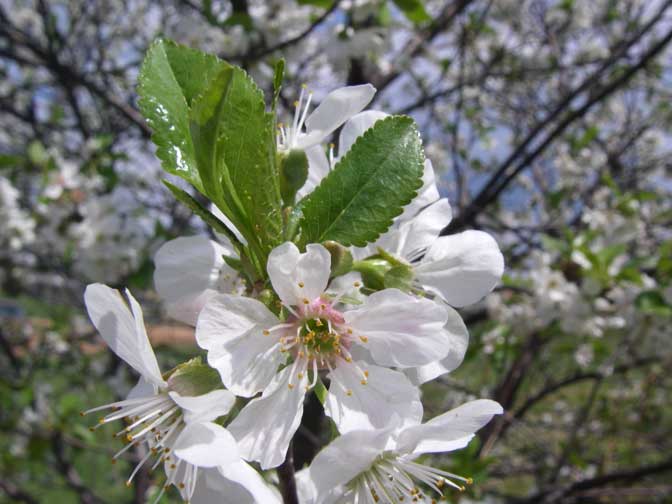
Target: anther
[305,301]
[348,392]
[290,386]
[301,285]
[266,332]
[363,382]
[357,284]
[364,339]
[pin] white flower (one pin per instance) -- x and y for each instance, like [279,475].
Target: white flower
[336,108]
[190,270]
[247,343]
[177,428]
[379,466]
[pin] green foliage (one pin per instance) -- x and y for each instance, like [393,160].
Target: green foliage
[653,303]
[414,10]
[211,128]
[171,77]
[357,201]
[321,391]
[247,145]
[201,211]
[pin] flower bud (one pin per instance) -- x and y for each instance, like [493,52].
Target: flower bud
[341,258]
[293,174]
[193,378]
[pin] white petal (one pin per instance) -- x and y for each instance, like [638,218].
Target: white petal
[346,457]
[206,444]
[187,268]
[266,425]
[124,334]
[143,388]
[296,276]
[187,310]
[457,335]
[206,407]
[421,232]
[427,194]
[318,168]
[336,108]
[450,431]
[402,330]
[387,398]
[241,474]
[355,127]
[231,329]
[348,285]
[461,268]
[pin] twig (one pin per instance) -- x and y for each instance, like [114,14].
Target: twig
[287,480]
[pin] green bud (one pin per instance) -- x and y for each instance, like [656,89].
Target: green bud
[399,277]
[341,258]
[269,299]
[373,272]
[293,174]
[193,378]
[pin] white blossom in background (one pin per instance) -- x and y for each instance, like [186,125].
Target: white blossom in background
[114,232]
[246,343]
[176,429]
[364,466]
[18,227]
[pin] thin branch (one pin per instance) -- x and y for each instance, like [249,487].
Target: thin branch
[260,53]
[287,480]
[16,494]
[507,171]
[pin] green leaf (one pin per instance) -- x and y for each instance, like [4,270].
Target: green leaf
[414,10]
[369,186]
[210,219]
[278,76]
[321,391]
[171,77]
[204,121]
[317,3]
[652,302]
[247,147]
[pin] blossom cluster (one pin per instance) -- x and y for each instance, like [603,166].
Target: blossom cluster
[362,327]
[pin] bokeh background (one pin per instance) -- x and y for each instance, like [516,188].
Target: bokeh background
[549,124]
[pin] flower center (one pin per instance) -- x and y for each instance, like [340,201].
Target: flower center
[317,338]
